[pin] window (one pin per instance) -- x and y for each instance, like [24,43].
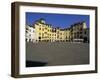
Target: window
[45,32]
[26,31]
[77,35]
[77,32]
[85,32]
[42,34]
[45,28]
[80,29]
[81,37]
[57,36]
[26,28]
[39,37]
[80,32]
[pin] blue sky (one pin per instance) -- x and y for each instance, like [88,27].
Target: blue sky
[57,20]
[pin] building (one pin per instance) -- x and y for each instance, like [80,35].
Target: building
[30,34]
[79,32]
[62,35]
[68,34]
[53,35]
[86,35]
[43,32]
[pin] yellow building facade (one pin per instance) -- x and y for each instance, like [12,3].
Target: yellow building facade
[45,32]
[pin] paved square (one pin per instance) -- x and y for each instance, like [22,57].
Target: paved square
[56,53]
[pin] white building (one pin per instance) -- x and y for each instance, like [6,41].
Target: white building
[30,34]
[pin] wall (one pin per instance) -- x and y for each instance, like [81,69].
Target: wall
[5,40]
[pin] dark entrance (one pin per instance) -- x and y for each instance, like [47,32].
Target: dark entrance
[85,39]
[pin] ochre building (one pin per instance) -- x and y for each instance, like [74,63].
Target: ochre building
[44,32]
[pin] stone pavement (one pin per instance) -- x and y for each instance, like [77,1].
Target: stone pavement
[57,53]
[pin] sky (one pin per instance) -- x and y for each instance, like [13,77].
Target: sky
[57,20]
